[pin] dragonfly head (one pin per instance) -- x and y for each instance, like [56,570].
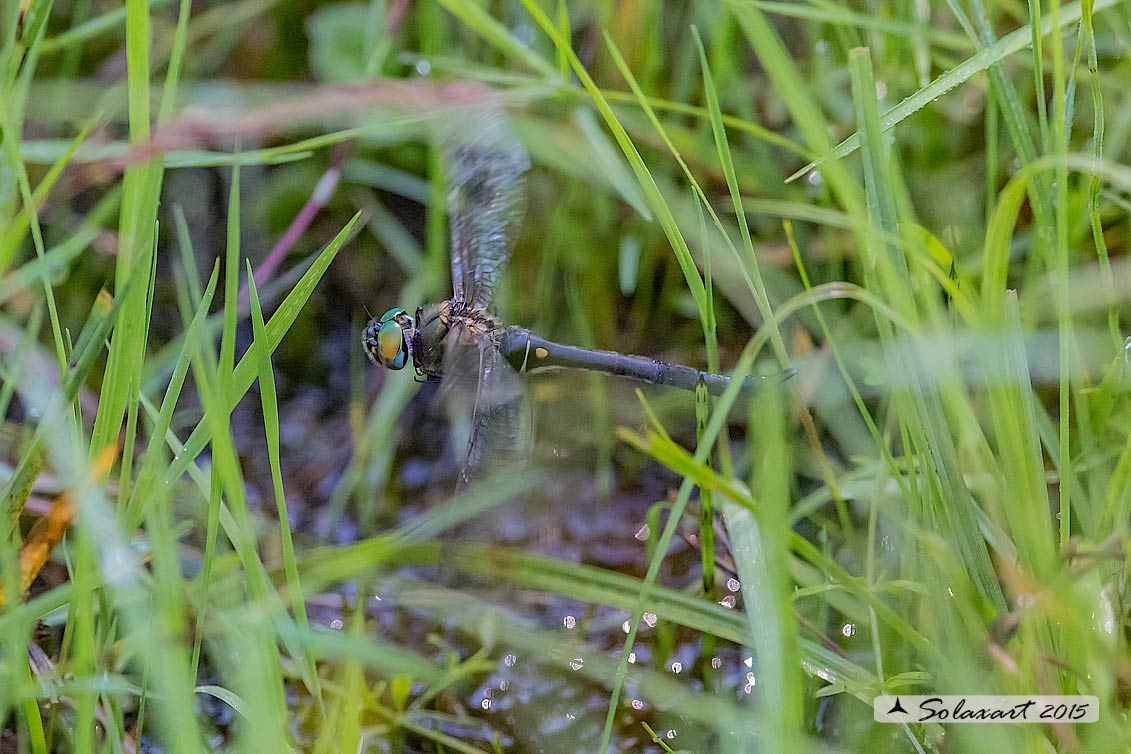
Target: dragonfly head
[388,339]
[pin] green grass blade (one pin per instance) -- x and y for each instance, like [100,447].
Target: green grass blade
[756,543]
[280,322]
[147,473]
[258,679]
[88,30]
[140,195]
[648,184]
[721,143]
[269,402]
[839,17]
[478,20]
[946,500]
[104,315]
[1010,44]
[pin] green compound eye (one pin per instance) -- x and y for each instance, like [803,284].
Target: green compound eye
[393,314]
[385,340]
[391,347]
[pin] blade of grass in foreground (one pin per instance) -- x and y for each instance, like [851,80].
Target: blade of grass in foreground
[141,189]
[597,585]
[960,74]
[99,533]
[651,191]
[924,419]
[246,371]
[803,108]
[31,211]
[12,234]
[499,36]
[258,679]
[1060,266]
[225,365]
[667,452]
[140,193]
[561,650]
[269,402]
[714,428]
[827,13]
[760,547]
[1098,125]
[104,314]
[59,256]
[227,477]
[13,370]
[144,484]
[1013,420]
[92,28]
[727,161]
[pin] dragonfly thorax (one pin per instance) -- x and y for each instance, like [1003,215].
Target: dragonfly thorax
[433,324]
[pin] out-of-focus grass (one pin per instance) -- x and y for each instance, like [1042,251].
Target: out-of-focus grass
[921,207]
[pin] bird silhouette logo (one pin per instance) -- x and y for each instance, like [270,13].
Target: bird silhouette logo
[897,707]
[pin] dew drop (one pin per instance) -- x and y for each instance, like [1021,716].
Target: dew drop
[524,33]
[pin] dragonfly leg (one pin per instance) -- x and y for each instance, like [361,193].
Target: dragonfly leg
[476,422]
[525,355]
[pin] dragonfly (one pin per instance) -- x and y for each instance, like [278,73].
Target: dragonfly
[460,342]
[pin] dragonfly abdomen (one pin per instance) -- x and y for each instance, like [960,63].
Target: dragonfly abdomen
[527,352]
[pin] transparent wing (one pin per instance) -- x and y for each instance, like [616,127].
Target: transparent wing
[486,396]
[485,199]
